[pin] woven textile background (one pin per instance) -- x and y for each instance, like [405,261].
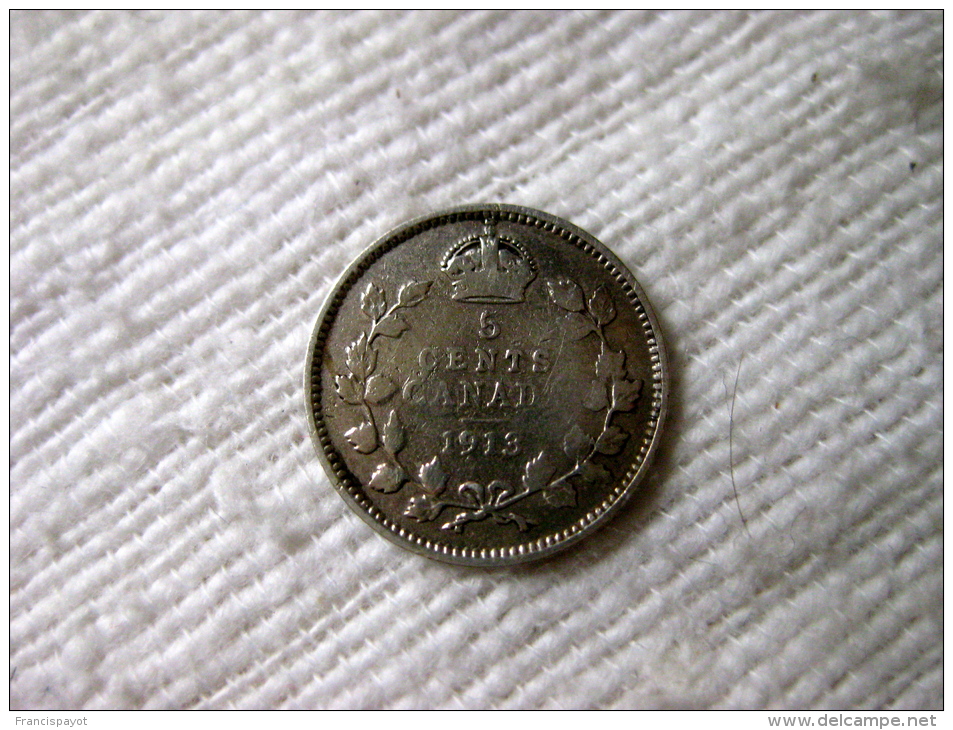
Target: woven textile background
[186,187]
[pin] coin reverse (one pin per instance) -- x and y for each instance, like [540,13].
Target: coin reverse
[486,385]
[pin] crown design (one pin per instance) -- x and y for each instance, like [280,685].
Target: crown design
[489,268]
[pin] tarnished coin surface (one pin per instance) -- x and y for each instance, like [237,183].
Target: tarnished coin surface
[486,385]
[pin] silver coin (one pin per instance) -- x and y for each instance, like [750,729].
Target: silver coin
[486,385]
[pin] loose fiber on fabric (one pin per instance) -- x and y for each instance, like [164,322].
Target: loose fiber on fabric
[186,187]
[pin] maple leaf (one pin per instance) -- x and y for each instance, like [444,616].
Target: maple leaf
[610,364]
[538,471]
[611,440]
[348,388]
[359,359]
[577,325]
[577,444]
[373,302]
[422,509]
[393,435]
[432,477]
[387,479]
[393,325]
[592,473]
[565,294]
[363,437]
[596,399]
[625,393]
[413,293]
[379,389]
[601,306]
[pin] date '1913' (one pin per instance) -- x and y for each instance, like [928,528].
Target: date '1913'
[485,443]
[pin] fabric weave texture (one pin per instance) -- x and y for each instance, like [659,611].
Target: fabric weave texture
[187,186]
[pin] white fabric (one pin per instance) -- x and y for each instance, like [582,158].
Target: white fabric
[187,185]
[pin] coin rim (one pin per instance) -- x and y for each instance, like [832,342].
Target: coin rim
[482,557]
